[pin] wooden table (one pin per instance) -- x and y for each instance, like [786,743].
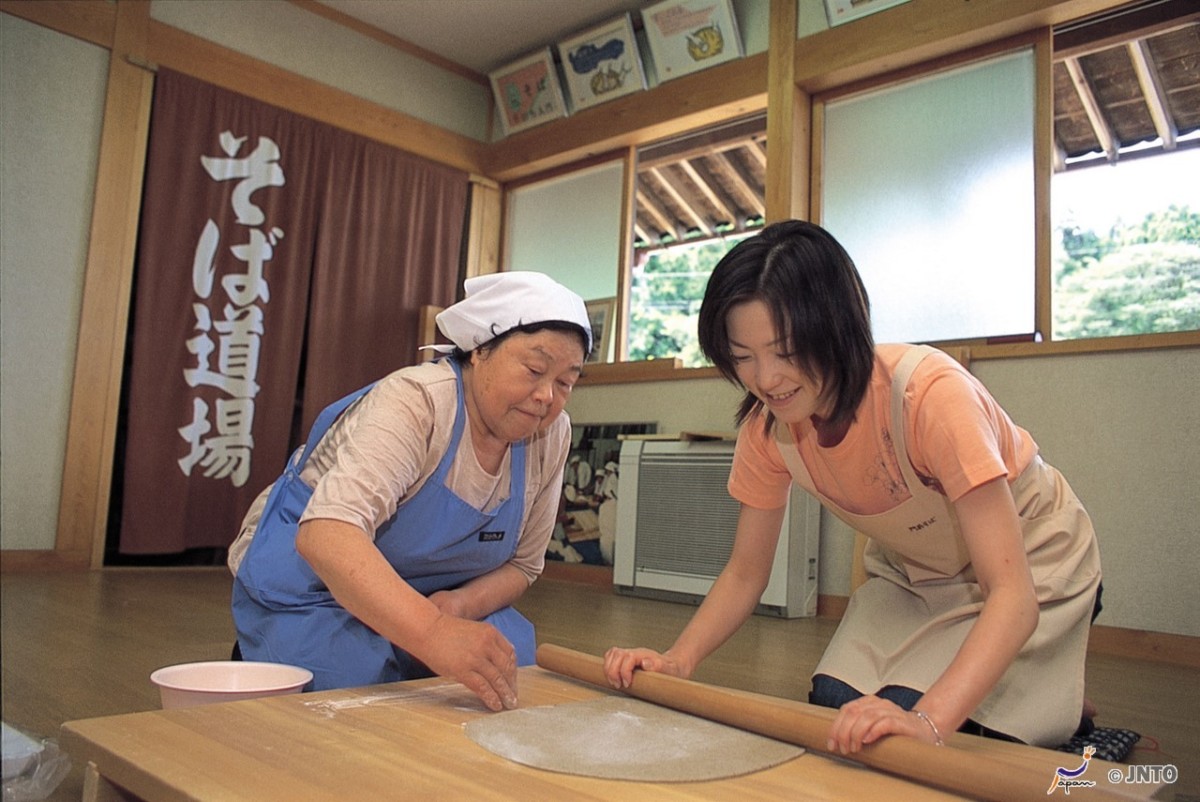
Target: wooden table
[398,741]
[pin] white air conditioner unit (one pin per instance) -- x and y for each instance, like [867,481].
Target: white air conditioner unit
[676,522]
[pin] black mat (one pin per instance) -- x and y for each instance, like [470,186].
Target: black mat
[1110,743]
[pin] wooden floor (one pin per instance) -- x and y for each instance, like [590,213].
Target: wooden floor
[79,645]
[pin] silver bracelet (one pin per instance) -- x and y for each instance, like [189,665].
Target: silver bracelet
[937,736]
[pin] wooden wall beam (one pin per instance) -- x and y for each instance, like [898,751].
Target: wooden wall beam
[108,278]
[788,111]
[89,20]
[403,45]
[94,21]
[922,30]
[1043,170]
[730,90]
[237,72]
[625,254]
[483,237]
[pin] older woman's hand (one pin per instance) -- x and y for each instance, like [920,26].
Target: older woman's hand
[449,602]
[475,654]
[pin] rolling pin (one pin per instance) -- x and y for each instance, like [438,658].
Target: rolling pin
[972,773]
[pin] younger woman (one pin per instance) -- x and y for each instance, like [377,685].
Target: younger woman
[983,566]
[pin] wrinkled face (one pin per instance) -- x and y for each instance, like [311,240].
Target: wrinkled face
[519,387]
[764,364]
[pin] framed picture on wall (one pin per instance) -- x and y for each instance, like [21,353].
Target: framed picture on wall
[690,35]
[602,63]
[840,11]
[527,92]
[601,314]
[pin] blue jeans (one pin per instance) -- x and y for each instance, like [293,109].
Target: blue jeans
[829,691]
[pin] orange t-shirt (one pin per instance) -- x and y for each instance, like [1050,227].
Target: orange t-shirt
[957,436]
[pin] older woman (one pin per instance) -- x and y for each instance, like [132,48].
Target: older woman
[420,508]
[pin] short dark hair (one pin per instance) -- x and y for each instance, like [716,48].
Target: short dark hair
[817,300]
[462,357]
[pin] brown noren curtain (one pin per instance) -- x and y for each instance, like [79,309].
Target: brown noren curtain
[266,238]
[391,233]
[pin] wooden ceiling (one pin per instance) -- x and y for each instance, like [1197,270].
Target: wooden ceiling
[1115,96]
[702,186]
[1110,94]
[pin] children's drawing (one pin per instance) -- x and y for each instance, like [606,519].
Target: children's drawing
[602,63]
[528,92]
[690,35]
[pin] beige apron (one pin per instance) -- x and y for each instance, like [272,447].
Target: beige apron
[908,620]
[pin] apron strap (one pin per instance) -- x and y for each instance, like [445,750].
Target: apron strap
[324,421]
[900,379]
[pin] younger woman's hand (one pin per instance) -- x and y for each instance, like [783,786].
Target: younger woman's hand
[867,719]
[619,665]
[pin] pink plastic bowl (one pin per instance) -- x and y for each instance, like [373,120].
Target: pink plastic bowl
[190,684]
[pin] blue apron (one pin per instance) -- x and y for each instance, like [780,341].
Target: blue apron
[284,613]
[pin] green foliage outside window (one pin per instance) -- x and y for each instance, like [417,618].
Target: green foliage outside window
[665,297]
[1142,278]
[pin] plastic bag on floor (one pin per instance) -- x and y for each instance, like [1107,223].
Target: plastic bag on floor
[32,767]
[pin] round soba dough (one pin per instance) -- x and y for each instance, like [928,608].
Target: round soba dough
[620,738]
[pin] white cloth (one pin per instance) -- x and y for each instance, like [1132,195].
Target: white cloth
[498,302]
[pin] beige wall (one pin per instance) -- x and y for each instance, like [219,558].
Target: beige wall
[1124,428]
[299,41]
[52,101]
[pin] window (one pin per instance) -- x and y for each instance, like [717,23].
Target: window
[664,299]
[697,196]
[935,182]
[568,227]
[929,185]
[1126,188]
[1127,248]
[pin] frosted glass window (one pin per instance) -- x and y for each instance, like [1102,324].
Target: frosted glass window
[929,185]
[569,228]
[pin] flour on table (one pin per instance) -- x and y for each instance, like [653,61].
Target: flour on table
[438,693]
[620,738]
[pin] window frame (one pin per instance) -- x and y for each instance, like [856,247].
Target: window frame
[817,76]
[1043,120]
[627,157]
[1046,49]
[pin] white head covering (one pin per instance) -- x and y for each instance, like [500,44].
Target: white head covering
[498,302]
